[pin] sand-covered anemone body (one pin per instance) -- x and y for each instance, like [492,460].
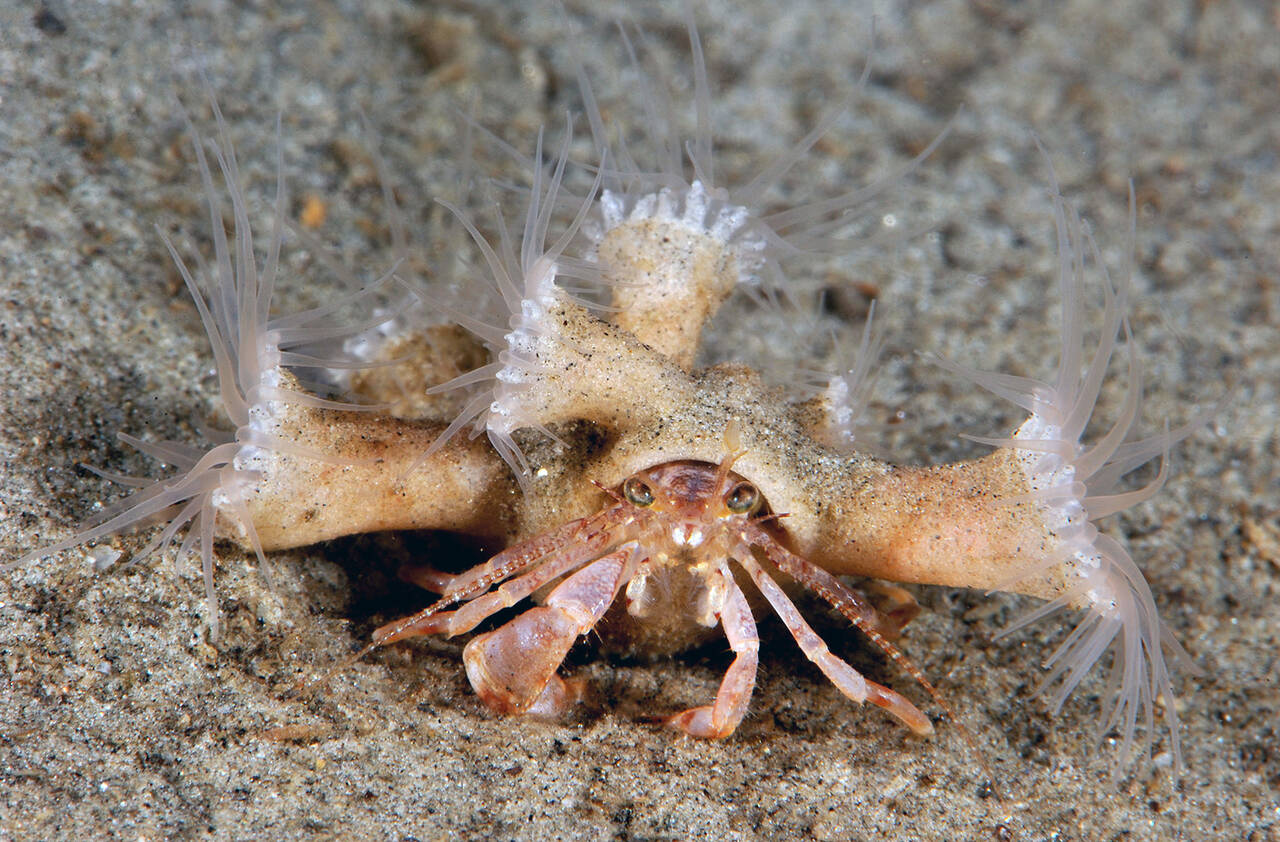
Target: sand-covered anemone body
[634,491]
[215,484]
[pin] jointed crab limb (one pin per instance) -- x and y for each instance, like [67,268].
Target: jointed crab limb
[846,679]
[719,720]
[897,606]
[507,594]
[855,609]
[513,668]
[517,558]
[574,540]
[861,612]
[429,578]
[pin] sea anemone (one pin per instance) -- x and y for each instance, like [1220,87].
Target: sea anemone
[660,209]
[214,483]
[1076,485]
[666,169]
[525,278]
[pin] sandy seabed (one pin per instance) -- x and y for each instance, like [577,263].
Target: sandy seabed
[118,719]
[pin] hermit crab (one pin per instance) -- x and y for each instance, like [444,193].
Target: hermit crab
[637,494]
[674,539]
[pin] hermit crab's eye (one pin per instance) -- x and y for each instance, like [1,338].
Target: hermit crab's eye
[742,499]
[637,493]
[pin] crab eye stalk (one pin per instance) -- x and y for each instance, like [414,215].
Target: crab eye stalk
[743,498]
[637,492]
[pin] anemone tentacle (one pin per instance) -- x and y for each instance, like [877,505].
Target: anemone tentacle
[210,493]
[1074,485]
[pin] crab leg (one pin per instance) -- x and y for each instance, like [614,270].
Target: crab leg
[470,615]
[508,563]
[516,558]
[513,668]
[855,609]
[895,604]
[717,721]
[846,679]
[427,577]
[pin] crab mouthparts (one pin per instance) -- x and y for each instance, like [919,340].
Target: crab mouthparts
[687,535]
